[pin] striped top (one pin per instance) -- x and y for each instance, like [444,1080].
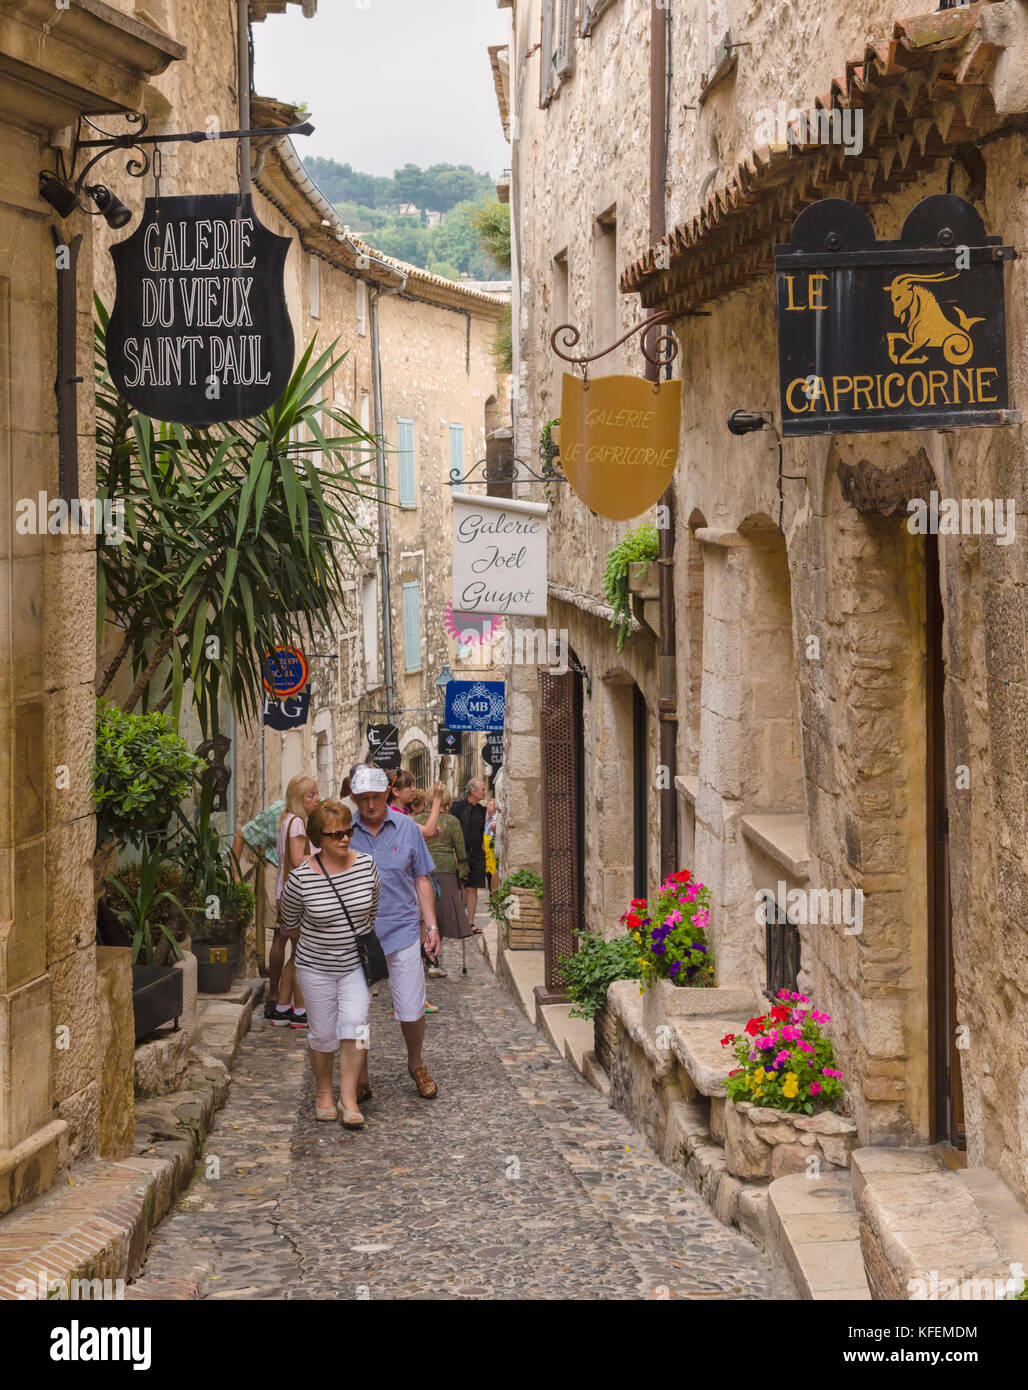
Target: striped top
[326,942]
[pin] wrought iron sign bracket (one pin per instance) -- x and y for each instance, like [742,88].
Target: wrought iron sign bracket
[516,471]
[663,352]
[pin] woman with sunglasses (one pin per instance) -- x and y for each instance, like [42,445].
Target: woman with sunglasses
[331,897]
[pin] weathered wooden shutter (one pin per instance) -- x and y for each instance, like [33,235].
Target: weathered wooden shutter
[560,720]
[412,625]
[457,456]
[546,54]
[565,45]
[405,462]
[591,11]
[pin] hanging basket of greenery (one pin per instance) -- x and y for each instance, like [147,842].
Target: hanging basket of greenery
[640,544]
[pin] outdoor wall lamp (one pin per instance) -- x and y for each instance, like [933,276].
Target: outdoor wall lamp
[57,194]
[746,421]
[111,208]
[445,677]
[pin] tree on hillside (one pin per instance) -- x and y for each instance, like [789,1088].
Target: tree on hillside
[490,221]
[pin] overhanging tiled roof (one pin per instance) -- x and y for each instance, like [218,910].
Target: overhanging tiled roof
[923,92]
[260,9]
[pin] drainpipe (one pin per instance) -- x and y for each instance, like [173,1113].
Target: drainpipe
[243,28]
[667,692]
[383,516]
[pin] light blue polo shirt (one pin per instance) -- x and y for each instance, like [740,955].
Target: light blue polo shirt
[401,856]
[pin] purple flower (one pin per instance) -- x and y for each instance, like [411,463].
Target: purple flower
[676,967]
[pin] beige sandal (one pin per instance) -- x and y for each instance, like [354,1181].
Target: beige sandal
[351,1119]
[324,1112]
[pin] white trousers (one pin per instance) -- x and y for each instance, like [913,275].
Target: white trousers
[337,1007]
[406,983]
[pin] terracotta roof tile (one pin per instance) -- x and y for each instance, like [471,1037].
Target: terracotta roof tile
[922,91]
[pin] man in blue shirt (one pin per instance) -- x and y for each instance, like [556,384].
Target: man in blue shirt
[407,898]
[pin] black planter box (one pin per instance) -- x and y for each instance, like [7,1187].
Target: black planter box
[215,965]
[156,997]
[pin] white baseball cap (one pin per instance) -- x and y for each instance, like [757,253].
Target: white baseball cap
[368,779]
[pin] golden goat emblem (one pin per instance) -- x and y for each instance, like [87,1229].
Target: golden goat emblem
[926,323]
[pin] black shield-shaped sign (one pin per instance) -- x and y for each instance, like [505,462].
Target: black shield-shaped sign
[200,331]
[891,335]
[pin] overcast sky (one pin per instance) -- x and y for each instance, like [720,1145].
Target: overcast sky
[389,81]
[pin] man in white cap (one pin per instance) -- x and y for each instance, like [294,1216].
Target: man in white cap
[396,844]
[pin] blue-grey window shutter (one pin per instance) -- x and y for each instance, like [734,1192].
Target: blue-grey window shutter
[405,461]
[412,625]
[457,455]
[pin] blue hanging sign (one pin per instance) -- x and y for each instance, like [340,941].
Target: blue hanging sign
[475,706]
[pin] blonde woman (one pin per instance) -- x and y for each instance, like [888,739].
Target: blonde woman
[331,900]
[293,848]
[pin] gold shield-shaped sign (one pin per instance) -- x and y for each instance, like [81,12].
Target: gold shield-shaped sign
[619,441]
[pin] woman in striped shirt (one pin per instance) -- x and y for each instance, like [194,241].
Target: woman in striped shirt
[329,897]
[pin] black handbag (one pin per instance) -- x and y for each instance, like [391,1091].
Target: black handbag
[369,948]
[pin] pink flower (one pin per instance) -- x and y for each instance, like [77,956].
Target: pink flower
[790,1033]
[764,1043]
[701,919]
[815,1088]
[827,1071]
[781,1057]
[819,1017]
[806,1047]
[674,917]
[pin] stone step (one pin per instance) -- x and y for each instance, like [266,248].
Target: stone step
[696,1042]
[521,971]
[814,1233]
[929,1232]
[572,1037]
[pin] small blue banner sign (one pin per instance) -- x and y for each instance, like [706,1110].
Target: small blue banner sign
[476,706]
[288,713]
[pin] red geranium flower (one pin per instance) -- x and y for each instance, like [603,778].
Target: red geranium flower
[736,1070]
[728,1038]
[779,1015]
[755,1024]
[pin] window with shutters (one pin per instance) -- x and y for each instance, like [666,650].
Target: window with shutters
[557,46]
[405,462]
[314,286]
[547,46]
[457,458]
[412,625]
[591,11]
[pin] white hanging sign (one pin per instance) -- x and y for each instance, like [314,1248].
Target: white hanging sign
[499,556]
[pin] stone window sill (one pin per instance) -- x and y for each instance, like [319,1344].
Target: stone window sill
[783,838]
[689,788]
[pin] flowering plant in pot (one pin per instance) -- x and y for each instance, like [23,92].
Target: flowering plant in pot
[786,1062]
[672,934]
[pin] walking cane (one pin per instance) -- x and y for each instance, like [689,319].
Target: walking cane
[463,956]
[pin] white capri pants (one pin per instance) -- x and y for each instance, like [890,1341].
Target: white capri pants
[406,983]
[337,1007]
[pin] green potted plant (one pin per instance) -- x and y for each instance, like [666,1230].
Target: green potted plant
[156,987]
[213,900]
[641,544]
[588,975]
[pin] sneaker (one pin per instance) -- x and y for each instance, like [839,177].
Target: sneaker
[436,972]
[281,1018]
[298,1019]
[269,1009]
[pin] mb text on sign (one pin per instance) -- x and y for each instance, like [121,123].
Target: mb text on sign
[499,556]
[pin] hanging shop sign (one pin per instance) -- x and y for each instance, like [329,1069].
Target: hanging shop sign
[619,441]
[499,557]
[449,741]
[200,331]
[384,746]
[285,671]
[891,335]
[492,750]
[476,706]
[290,713]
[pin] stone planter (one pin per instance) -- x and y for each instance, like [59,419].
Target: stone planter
[525,922]
[765,1143]
[644,579]
[663,1002]
[606,1036]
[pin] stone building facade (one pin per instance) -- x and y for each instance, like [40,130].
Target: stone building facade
[816,636]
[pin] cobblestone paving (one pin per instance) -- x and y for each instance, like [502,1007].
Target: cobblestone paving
[518,1181]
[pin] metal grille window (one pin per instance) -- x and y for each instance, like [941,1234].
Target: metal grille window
[412,625]
[781,951]
[419,761]
[560,719]
[405,463]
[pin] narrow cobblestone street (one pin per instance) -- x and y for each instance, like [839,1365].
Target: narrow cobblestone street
[517,1182]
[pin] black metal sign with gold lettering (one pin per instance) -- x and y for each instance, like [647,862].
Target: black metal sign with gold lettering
[891,335]
[200,331]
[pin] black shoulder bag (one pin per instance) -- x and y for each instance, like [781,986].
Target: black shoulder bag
[369,948]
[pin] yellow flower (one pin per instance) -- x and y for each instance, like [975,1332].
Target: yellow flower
[790,1085]
[757,1092]
[637,937]
[759,1075]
